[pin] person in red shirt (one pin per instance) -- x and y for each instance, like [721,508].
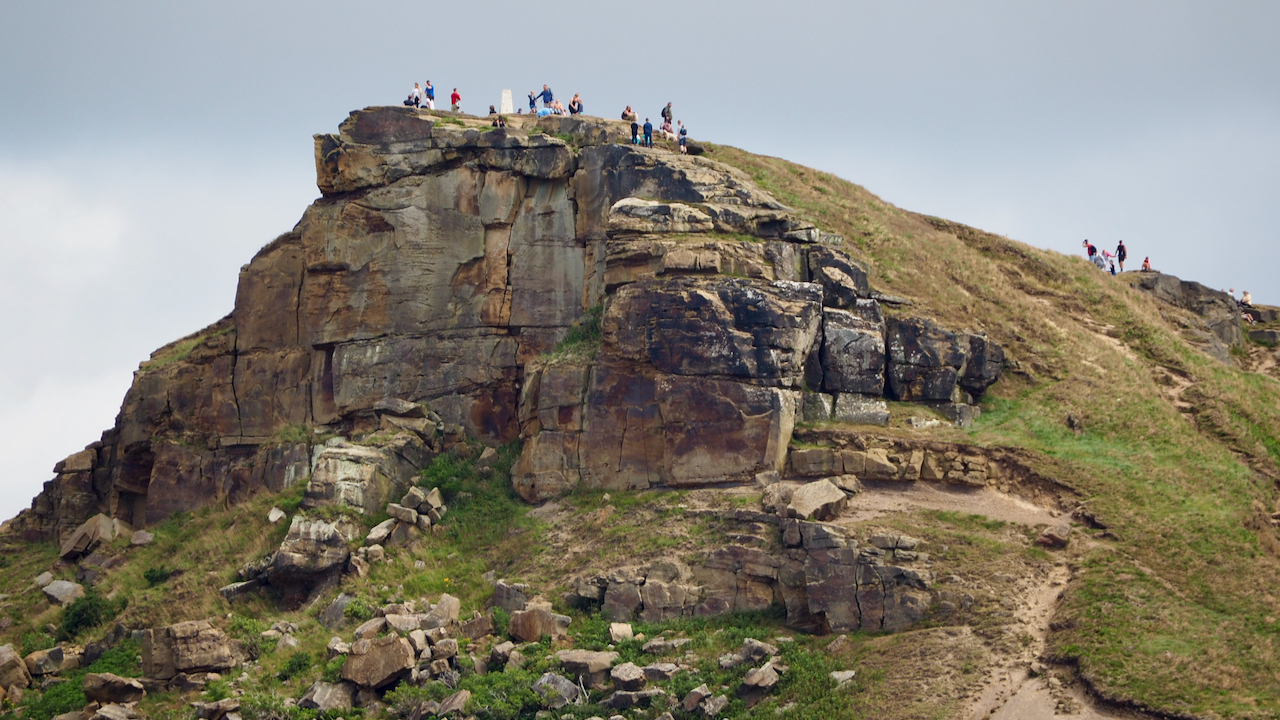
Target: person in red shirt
[454,99]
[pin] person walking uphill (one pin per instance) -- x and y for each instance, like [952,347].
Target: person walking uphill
[648,133]
[1121,254]
[455,99]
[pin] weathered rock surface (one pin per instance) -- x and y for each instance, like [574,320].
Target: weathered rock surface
[13,671]
[587,666]
[97,529]
[325,696]
[379,663]
[1219,311]
[414,304]
[556,691]
[110,688]
[63,592]
[312,556]
[531,625]
[819,500]
[187,647]
[44,662]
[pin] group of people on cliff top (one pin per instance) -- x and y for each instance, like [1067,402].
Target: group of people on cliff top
[425,96]
[667,131]
[1107,260]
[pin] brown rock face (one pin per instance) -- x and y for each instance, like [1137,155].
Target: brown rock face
[187,647]
[109,688]
[440,268]
[384,662]
[13,671]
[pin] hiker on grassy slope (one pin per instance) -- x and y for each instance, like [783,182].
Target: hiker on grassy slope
[1121,253]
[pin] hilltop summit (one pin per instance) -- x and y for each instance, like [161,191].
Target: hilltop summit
[533,419]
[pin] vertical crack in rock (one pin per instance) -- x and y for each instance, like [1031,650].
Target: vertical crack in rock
[235,396]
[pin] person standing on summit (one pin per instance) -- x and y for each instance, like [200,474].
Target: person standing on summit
[648,133]
[1121,254]
[666,113]
[547,96]
[455,99]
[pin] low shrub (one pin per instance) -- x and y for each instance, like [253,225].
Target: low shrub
[298,663]
[156,575]
[358,610]
[88,612]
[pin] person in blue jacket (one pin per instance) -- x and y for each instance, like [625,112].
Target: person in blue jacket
[547,96]
[648,133]
[533,102]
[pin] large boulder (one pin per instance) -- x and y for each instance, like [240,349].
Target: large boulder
[589,667]
[853,349]
[13,670]
[324,696]
[187,647]
[531,625]
[45,662]
[313,555]
[924,360]
[110,688]
[983,365]
[379,663]
[819,500]
[63,592]
[556,691]
[843,281]
[719,327]
[94,531]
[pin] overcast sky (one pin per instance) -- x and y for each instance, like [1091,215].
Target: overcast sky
[148,149]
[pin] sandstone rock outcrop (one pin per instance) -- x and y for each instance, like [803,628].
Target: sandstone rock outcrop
[417,301]
[1218,311]
[187,647]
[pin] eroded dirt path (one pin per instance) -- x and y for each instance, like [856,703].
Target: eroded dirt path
[882,498]
[1011,690]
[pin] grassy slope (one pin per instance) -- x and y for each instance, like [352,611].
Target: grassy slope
[1176,608]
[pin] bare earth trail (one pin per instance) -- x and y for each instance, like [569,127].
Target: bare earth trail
[1010,691]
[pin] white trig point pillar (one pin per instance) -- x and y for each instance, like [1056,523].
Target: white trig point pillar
[506,108]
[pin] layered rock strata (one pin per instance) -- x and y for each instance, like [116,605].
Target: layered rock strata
[442,266]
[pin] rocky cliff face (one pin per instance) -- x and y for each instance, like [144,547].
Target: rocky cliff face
[442,266]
